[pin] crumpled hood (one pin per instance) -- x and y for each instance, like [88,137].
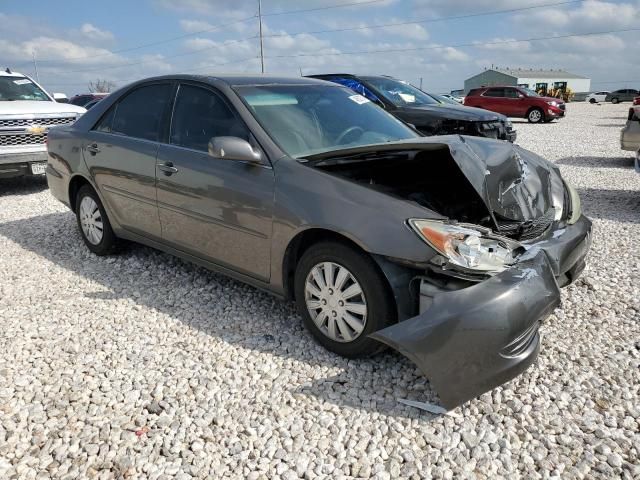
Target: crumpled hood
[454,112]
[514,183]
[26,107]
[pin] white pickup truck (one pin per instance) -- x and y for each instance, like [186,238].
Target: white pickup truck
[27,112]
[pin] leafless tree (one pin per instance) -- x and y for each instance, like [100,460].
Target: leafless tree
[101,86]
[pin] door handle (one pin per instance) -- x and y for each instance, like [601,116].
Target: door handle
[167,168]
[93,149]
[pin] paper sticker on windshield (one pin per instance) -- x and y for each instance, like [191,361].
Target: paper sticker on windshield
[22,81]
[359,99]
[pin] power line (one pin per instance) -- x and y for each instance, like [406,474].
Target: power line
[181,54]
[426,20]
[208,30]
[460,45]
[328,7]
[151,44]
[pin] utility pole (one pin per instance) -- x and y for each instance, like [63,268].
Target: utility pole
[420,83]
[35,65]
[261,45]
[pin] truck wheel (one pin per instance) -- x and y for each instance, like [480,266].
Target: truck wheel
[343,297]
[535,115]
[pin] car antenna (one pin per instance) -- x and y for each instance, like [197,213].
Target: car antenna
[8,70]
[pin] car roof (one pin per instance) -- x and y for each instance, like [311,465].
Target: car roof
[4,73]
[234,80]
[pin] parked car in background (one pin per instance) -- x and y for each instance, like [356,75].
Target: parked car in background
[623,95]
[516,102]
[597,97]
[27,112]
[444,99]
[83,98]
[429,115]
[449,249]
[453,98]
[92,103]
[630,133]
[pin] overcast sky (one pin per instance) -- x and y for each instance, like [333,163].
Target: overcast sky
[77,41]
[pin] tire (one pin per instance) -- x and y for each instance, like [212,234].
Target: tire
[379,306]
[592,100]
[535,115]
[615,100]
[100,243]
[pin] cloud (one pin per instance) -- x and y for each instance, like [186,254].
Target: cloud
[589,16]
[93,33]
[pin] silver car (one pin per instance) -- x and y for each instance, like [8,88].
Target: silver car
[630,133]
[449,249]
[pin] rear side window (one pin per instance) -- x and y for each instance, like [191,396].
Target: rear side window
[139,114]
[474,91]
[356,86]
[199,115]
[494,92]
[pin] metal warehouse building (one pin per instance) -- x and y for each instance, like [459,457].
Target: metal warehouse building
[534,79]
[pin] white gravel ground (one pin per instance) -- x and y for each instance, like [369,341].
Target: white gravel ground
[144,366]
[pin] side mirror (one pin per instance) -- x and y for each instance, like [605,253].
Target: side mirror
[60,98]
[233,148]
[520,96]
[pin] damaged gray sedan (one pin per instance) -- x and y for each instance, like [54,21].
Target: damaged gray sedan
[449,249]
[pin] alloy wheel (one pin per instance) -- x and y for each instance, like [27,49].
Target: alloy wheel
[91,220]
[336,302]
[535,116]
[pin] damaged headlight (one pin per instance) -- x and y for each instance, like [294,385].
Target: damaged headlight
[575,207]
[468,246]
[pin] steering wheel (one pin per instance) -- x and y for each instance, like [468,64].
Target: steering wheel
[347,132]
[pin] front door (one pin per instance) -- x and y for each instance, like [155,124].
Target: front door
[120,152]
[219,210]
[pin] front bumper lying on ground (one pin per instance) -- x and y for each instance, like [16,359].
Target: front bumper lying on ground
[471,340]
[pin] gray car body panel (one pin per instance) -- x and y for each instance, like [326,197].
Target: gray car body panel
[293,197]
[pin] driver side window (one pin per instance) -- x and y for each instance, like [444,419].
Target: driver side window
[199,115]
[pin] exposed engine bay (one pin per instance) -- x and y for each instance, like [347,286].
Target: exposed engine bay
[434,179]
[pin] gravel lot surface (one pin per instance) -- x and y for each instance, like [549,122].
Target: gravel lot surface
[144,366]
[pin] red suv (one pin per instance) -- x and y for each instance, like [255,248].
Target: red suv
[516,102]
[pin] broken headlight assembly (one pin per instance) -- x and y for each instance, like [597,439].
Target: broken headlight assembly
[468,246]
[574,206]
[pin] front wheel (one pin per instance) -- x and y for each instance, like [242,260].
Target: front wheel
[615,100]
[535,115]
[93,222]
[343,298]
[592,100]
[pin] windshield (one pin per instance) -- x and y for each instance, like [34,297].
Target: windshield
[20,88]
[310,119]
[530,93]
[399,93]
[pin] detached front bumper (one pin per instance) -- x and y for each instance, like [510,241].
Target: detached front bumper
[471,340]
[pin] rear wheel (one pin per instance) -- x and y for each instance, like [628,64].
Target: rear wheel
[343,297]
[535,115]
[93,222]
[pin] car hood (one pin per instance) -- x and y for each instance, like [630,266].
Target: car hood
[515,185]
[455,112]
[552,99]
[26,107]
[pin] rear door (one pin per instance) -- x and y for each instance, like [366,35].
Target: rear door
[120,152]
[218,210]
